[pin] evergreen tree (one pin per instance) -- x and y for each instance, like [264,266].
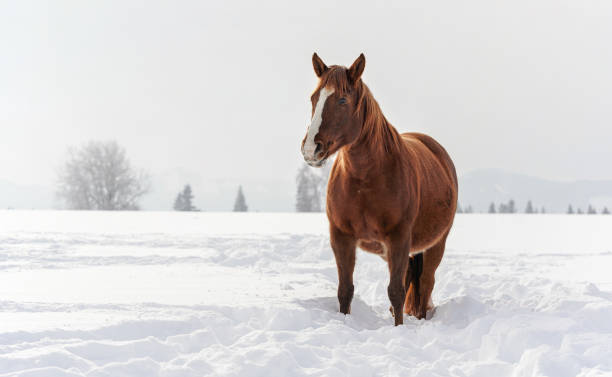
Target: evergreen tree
[469,209]
[543,210]
[579,211]
[591,210]
[605,211]
[240,203]
[459,209]
[507,208]
[529,208]
[492,207]
[570,210]
[183,201]
[179,204]
[308,198]
[511,208]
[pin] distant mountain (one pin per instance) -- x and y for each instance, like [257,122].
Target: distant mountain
[481,187]
[25,196]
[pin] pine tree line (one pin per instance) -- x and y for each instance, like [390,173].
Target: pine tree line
[590,210]
[184,201]
[530,208]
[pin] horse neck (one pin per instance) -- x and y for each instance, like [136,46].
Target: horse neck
[378,145]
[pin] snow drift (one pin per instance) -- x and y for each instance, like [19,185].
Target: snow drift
[197,294]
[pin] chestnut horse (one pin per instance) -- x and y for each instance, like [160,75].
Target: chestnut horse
[391,194]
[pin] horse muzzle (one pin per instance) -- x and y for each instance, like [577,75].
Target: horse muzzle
[315,158]
[316,164]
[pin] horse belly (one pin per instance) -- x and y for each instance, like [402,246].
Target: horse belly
[431,224]
[437,192]
[374,247]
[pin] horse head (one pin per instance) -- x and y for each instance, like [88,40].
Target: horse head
[336,110]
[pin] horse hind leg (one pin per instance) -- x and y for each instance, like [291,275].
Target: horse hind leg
[420,280]
[413,282]
[398,259]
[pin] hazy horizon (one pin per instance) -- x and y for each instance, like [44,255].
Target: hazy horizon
[217,94]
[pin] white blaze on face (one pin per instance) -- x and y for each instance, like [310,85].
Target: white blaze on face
[308,150]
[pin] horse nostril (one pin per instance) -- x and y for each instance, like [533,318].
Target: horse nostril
[319,148]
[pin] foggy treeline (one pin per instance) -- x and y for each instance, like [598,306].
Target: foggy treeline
[184,201]
[311,186]
[530,208]
[99,176]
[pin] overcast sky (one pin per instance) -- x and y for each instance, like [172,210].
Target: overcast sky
[218,92]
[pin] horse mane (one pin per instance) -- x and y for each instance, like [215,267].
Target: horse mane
[376,131]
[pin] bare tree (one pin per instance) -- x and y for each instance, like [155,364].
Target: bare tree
[98,176]
[324,173]
[308,197]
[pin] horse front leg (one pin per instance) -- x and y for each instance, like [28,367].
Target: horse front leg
[398,260]
[344,247]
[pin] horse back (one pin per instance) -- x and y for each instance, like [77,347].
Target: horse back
[437,150]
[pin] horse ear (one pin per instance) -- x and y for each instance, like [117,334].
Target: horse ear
[354,73]
[318,65]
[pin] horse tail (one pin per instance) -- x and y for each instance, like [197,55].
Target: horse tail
[415,270]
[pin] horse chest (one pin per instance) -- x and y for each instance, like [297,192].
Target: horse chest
[363,212]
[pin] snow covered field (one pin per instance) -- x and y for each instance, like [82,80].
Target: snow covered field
[198,294]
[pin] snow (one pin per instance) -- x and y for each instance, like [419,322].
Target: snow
[197,294]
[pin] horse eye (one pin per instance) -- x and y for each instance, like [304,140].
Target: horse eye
[342,101]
